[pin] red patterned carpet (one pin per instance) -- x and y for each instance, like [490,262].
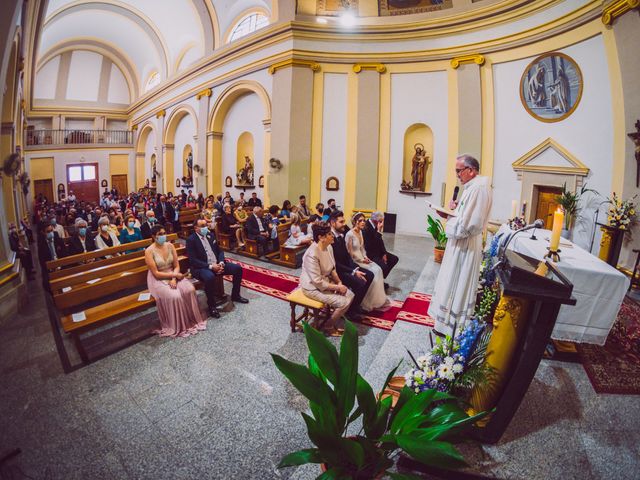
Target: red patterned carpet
[279,285]
[615,367]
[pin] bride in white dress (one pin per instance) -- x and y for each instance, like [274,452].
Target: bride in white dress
[376,298]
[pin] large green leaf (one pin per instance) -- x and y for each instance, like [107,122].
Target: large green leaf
[321,437]
[379,425]
[437,454]
[348,370]
[331,474]
[366,402]
[406,394]
[315,369]
[390,376]
[445,413]
[324,353]
[301,457]
[437,432]
[306,382]
[413,408]
[353,451]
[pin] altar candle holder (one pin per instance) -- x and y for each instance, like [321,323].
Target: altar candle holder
[553,254]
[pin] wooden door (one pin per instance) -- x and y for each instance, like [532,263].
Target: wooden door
[82,179]
[45,187]
[547,204]
[120,183]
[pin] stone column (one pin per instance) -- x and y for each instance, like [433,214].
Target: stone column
[292,100]
[160,185]
[200,154]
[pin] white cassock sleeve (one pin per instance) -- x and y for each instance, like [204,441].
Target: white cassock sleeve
[472,217]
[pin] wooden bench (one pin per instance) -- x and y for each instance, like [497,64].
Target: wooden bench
[186,219]
[289,256]
[72,294]
[311,309]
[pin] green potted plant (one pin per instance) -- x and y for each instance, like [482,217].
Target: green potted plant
[338,396]
[436,229]
[569,200]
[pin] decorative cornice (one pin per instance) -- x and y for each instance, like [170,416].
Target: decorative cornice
[576,168]
[134,128]
[616,9]
[378,67]
[207,92]
[161,113]
[214,134]
[293,62]
[476,58]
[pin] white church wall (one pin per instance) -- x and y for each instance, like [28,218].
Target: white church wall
[46,79]
[245,115]
[417,98]
[118,88]
[334,135]
[84,76]
[587,133]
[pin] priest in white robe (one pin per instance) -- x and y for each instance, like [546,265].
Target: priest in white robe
[454,297]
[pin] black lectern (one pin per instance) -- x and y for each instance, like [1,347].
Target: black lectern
[522,326]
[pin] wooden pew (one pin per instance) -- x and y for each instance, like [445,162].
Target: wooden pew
[107,282]
[289,256]
[186,219]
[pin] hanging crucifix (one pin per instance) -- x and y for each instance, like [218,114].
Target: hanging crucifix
[635,136]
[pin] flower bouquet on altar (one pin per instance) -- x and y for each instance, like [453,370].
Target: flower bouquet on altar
[622,213]
[455,364]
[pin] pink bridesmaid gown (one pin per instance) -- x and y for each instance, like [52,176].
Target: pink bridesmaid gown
[178,308]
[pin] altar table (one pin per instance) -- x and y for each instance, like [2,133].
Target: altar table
[598,288]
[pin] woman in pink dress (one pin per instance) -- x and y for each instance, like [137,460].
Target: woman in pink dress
[175,295]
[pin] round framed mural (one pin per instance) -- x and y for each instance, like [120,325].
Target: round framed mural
[551,87]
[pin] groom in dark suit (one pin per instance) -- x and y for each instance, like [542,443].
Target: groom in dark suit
[374,244]
[207,260]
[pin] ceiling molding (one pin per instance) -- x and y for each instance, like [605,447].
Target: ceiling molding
[126,11]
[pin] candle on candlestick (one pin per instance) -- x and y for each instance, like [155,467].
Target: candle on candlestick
[524,209]
[514,209]
[558,222]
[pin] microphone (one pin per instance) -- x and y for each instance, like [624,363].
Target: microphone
[502,251]
[455,192]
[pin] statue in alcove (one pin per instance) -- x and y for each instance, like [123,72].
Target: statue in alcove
[419,165]
[154,172]
[245,174]
[189,161]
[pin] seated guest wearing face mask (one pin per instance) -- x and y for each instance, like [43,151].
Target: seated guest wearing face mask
[175,296]
[146,226]
[207,260]
[105,238]
[50,247]
[59,229]
[82,241]
[130,233]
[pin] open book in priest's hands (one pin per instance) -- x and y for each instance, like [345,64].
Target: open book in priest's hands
[440,209]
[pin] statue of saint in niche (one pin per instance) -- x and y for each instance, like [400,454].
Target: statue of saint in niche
[189,161]
[419,164]
[245,174]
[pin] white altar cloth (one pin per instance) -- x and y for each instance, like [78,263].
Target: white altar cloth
[597,287]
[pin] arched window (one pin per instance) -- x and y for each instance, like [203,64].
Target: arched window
[154,79]
[248,24]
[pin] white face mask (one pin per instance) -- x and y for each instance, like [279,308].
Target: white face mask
[104,228]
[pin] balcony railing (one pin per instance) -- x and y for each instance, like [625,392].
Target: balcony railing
[78,137]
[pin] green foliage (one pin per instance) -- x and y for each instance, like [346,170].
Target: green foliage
[488,300]
[419,424]
[436,230]
[569,200]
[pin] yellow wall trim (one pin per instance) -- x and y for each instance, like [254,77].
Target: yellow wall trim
[207,92]
[476,58]
[161,113]
[616,9]
[293,62]
[134,128]
[378,67]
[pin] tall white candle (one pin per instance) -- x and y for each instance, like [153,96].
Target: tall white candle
[514,209]
[558,222]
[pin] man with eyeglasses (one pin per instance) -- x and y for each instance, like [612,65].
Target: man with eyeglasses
[454,297]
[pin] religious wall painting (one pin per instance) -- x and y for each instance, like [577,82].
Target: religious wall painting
[61,191]
[103,184]
[551,87]
[408,7]
[417,159]
[261,181]
[228,182]
[178,183]
[336,7]
[332,184]
[154,171]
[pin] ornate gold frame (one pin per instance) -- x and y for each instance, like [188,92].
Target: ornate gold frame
[578,98]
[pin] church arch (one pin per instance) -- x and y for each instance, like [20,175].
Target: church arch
[168,144]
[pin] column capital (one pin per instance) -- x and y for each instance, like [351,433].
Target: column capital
[476,58]
[161,113]
[214,134]
[207,92]
[378,67]
[616,9]
[168,146]
[134,128]
[294,62]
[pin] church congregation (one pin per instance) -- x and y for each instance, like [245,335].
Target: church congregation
[319,239]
